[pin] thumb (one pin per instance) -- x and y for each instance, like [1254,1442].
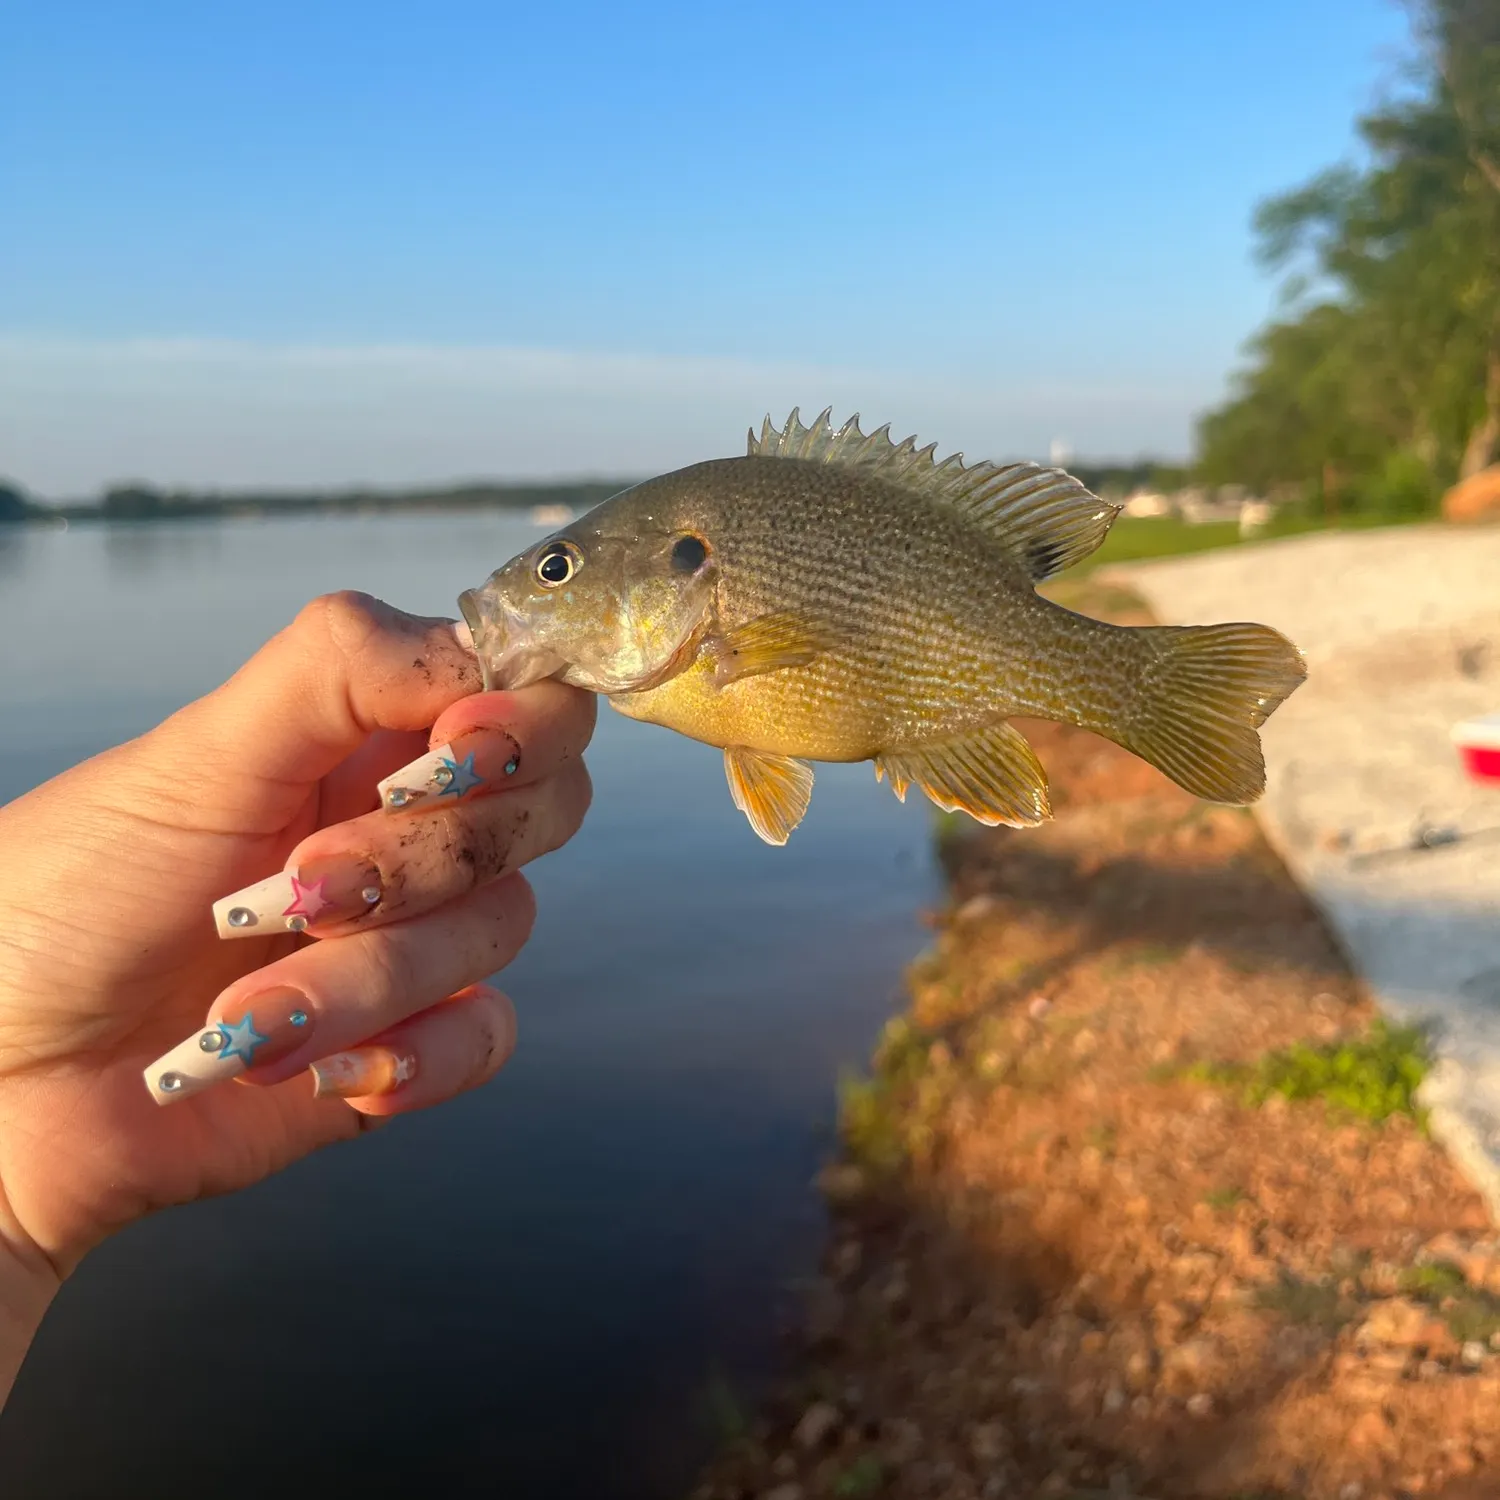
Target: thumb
[347,666]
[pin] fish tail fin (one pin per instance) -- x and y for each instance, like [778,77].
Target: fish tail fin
[1202,694]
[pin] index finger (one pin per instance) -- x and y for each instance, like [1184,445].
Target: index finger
[348,665]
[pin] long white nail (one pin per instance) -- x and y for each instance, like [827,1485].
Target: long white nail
[207,1057]
[463,635]
[439,773]
[329,890]
[269,907]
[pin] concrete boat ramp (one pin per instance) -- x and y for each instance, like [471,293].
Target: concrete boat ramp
[1367,801]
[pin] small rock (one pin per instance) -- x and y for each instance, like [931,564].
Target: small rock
[817,1422]
[989,1442]
[903,1441]
[1405,1324]
[1200,1405]
[1114,1400]
[1429,1369]
[1473,1354]
[1140,1369]
[1352,1491]
[1085,1044]
[1038,1007]
[843,1183]
[975,908]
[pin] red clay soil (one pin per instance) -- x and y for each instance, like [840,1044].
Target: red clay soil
[1059,1264]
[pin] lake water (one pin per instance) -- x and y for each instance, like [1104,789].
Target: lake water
[526,1292]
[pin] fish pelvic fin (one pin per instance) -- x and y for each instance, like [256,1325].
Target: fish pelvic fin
[771,790]
[1045,517]
[992,774]
[1205,691]
[769,643]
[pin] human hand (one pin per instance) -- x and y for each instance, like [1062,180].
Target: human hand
[109,953]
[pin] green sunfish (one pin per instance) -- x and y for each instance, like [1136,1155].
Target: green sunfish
[835,596]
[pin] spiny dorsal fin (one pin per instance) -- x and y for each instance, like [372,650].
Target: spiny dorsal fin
[1045,516]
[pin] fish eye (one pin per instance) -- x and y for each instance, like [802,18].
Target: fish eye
[688,554]
[558,564]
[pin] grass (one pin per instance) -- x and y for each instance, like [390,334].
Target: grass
[864,1476]
[1223,1199]
[1137,538]
[1469,1314]
[888,1117]
[1316,1303]
[1372,1077]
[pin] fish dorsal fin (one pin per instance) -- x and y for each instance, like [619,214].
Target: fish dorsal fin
[1045,516]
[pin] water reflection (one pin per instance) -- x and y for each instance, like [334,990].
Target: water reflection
[137,548]
[525,1291]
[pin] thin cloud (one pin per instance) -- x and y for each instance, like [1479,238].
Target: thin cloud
[78,414]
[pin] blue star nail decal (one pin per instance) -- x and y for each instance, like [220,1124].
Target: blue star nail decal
[465,777]
[241,1039]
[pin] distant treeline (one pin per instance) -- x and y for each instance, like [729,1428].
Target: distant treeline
[137,502]
[143,503]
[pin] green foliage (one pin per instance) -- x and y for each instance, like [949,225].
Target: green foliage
[890,1117]
[1318,1304]
[1372,1077]
[1379,383]
[864,1476]
[1224,1198]
[1432,1280]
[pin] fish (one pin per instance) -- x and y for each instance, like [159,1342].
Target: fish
[836,596]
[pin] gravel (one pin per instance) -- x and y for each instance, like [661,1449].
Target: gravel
[1401,629]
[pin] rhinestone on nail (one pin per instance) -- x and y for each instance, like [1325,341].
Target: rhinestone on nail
[169,1083]
[511,767]
[370,895]
[241,916]
[296,924]
[399,796]
[211,1041]
[442,776]
[298,1018]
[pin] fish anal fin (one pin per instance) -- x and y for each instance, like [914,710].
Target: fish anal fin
[991,773]
[1045,517]
[771,790]
[769,643]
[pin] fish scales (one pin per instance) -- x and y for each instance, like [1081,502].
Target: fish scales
[837,597]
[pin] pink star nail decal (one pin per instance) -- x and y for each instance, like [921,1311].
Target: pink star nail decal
[307,900]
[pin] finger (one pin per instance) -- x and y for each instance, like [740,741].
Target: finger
[332,997]
[349,790]
[347,666]
[492,741]
[442,1052]
[378,870]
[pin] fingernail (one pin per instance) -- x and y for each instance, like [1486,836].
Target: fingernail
[363,1072]
[262,1029]
[319,893]
[475,762]
[463,635]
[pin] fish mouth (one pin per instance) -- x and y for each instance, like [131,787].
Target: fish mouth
[506,662]
[469,608]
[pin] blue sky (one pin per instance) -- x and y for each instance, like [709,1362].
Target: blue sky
[283,243]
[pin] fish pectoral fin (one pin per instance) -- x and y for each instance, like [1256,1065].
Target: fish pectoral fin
[771,790]
[767,644]
[992,774]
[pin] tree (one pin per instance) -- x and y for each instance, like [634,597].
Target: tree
[1386,363]
[14,506]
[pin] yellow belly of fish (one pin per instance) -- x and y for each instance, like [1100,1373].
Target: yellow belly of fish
[806,712]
